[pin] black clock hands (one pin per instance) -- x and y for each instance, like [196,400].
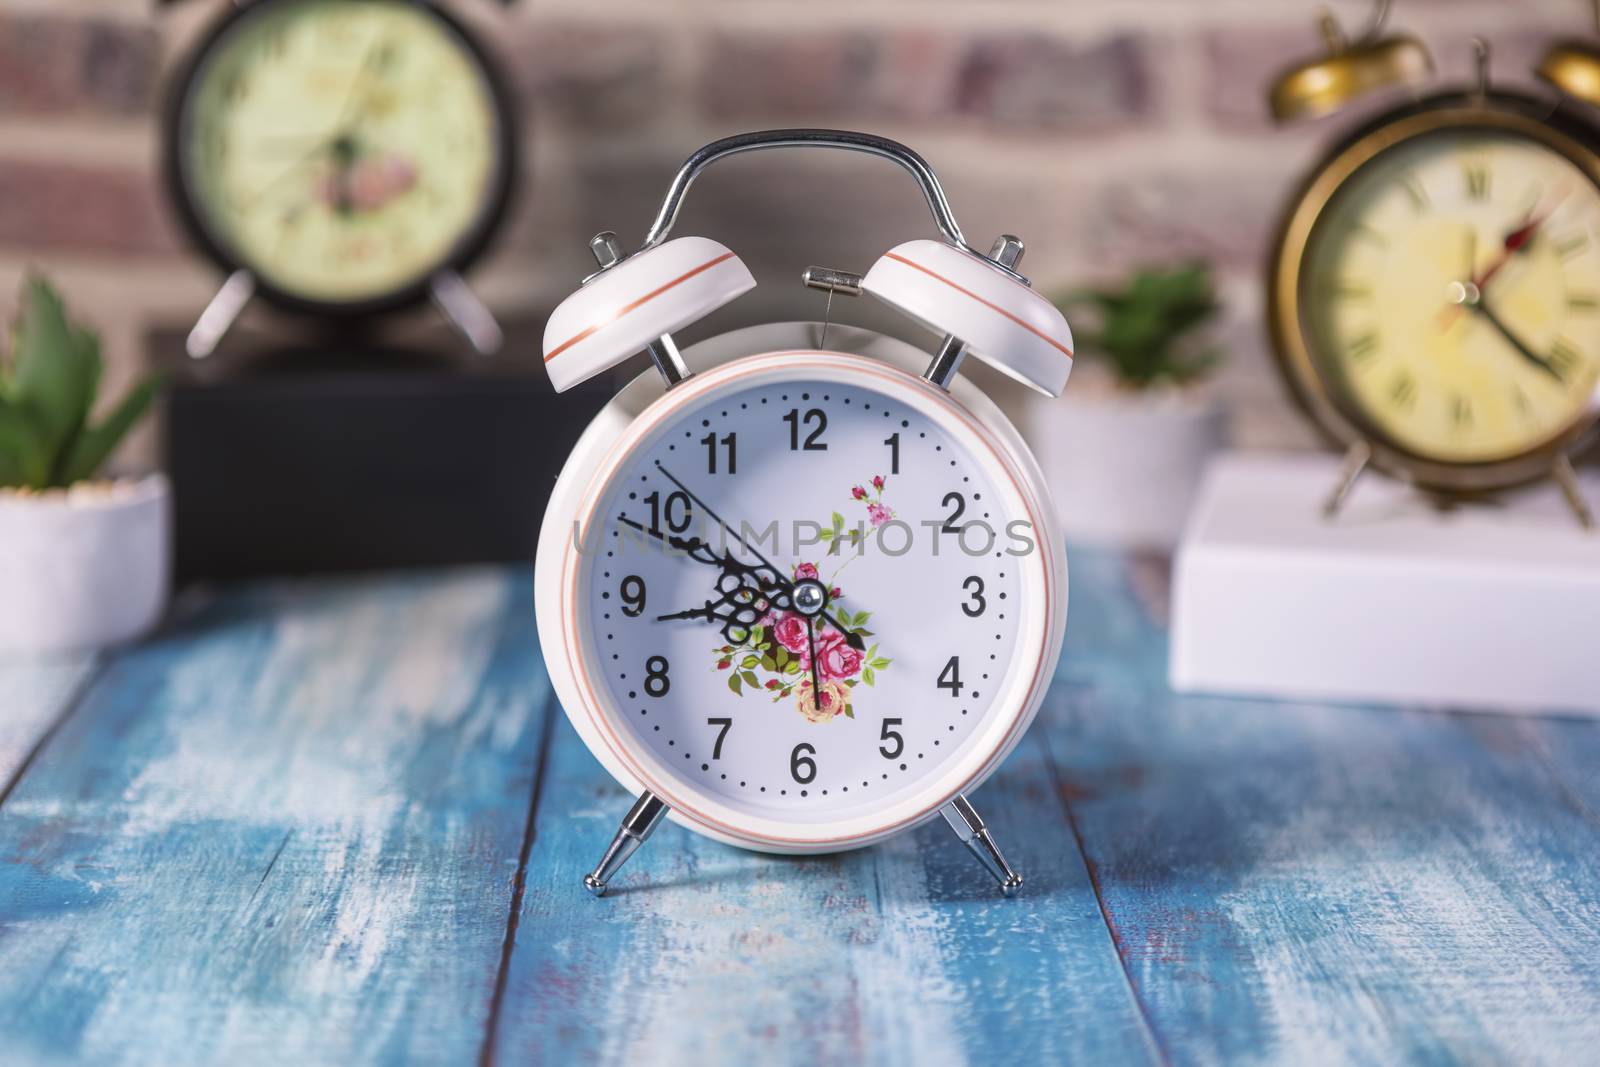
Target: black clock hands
[745,591]
[1481,308]
[851,639]
[811,640]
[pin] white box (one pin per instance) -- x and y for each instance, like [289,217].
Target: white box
[1490,606]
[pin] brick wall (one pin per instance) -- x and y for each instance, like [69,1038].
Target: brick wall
[1105,133]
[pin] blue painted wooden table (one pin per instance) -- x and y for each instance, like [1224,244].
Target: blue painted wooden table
[343,822]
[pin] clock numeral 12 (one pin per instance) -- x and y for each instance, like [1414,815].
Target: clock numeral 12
[1477,176]
[813,441]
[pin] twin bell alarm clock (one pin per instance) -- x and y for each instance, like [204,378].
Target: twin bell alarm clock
[801,596]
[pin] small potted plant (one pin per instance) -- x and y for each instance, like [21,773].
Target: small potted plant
[1123,450]
[84,561]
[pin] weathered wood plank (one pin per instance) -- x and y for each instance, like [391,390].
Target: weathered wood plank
[902,954]
[34,694]
[1297,882]
[287,831]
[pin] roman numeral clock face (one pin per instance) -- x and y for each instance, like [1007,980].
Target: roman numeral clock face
[1452,291]
[807,598]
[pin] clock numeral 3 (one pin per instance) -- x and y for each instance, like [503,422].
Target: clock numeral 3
[656,682]
[802,768]
[814,418]
[976,603]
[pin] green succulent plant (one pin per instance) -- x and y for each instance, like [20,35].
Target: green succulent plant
[47,389]
[1144,330]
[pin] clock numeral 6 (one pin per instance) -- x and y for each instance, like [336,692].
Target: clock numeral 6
[950,677]
[656,682]
[976,604]
[716,748]
[802,768]
[729,444]
[813,442]
[886,735]
[677,511]
[632,593]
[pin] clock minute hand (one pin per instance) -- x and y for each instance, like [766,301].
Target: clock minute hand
[1516,342]
[851,639]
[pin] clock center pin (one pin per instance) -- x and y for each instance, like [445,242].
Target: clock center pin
[810,597]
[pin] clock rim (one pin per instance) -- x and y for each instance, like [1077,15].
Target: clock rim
[469,247]
[1554,124]
[596,462]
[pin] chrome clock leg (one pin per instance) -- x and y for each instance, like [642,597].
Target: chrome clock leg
[1355,461]
[640,822]
[969,827]
[1567,479]
[461,306]
[220,314]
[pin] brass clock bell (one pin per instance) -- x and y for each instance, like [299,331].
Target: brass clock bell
[1573,65]
[1350,70]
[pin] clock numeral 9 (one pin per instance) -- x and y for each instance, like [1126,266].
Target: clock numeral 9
[656,682]
[813,442]
[976,603]
[886,735]
[716,748]
[632,593]
[950,677]
[677,511]
[728,443]
[802,768]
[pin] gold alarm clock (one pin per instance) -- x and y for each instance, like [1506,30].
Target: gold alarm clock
[1434,291]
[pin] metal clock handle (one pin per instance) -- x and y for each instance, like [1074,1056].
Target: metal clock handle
[845,140]
[1004,255]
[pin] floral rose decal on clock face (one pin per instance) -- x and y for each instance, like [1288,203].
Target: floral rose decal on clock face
[775,657]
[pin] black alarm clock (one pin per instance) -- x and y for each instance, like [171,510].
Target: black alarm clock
[341,158]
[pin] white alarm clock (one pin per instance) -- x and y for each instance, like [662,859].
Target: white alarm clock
[803,597]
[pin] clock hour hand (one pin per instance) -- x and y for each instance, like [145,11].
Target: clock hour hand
[851,639]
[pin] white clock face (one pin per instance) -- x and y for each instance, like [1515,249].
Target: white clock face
[697,643]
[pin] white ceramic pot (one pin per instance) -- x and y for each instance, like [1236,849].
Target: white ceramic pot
[1124,466]
[84,568]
